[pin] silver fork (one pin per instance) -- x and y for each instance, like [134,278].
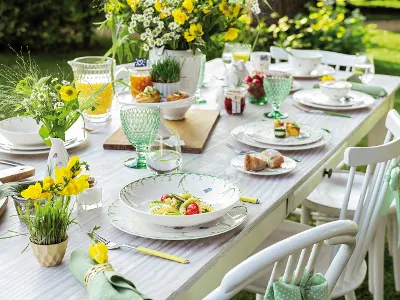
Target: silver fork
[113,246]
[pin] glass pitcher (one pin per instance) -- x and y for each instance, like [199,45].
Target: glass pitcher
[90,74]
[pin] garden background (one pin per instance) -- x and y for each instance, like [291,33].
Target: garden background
[57,31]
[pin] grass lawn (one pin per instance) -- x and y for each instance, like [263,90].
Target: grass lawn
[386,50]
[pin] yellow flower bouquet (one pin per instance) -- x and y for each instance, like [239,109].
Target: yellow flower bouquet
[178,24]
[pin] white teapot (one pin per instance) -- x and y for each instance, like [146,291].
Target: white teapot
[235,73]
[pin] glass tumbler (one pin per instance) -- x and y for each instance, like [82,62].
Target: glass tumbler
[277,87]
[241,51]
[90,74]
[140,125]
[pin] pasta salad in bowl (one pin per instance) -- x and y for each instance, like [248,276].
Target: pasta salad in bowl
[179,200]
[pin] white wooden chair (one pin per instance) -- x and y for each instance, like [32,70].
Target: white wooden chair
[377,160]
[330,204]
[339,61]
[291,257]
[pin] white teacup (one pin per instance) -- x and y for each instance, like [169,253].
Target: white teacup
[302,62]
[335,90]
[260,61]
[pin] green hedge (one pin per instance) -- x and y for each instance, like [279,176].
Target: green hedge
[46,25]
[375,3]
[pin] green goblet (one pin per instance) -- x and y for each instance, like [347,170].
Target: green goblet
[140,125]
[277,87]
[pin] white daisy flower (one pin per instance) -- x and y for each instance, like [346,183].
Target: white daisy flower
[149,18]
[156,20]
[58,105]
[160,24]
[159,42]
[145,47]
[146,23]
[41,96]
[156,32]
[140,18]
[166,37]
[52,94]
[64,82]
[148,3]
[131,30]
[143,36]
[148,11]
[172,26]
[151,43]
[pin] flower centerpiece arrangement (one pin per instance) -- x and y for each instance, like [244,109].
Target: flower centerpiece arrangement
[50,216]
[166,75]
[172,27]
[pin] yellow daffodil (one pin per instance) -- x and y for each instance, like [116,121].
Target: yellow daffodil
[133,4]
[195,30]
[327,78]
[245,19]
[179,16]
[80,184]
[48,183]
[63,175]
[68,93]
[231,34]
[188,5]
[206,10]
[33,191]
[229,11]
[69,189]
[73,163]
[99,253]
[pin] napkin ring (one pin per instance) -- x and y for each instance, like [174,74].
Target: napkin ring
[93,271]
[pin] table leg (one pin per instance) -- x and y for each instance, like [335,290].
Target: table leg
[377,135]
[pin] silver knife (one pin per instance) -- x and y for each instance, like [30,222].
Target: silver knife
[10,163]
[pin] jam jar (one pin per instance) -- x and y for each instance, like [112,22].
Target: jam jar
[235,100]
[140,78]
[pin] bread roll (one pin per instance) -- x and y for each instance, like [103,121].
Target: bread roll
[253,163]
[273,158]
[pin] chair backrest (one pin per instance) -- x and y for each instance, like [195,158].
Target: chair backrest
[339,61]
[377,159]
[291,257]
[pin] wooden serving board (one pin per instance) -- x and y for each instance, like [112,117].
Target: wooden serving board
[16,173]
[194,130]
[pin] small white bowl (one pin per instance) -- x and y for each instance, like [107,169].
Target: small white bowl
[219,193]
[22,131]
[302,62]
[335,90]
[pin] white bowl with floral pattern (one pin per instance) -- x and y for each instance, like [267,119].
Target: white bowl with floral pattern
[219,193]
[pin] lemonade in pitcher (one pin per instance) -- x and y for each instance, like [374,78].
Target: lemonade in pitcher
[91,73]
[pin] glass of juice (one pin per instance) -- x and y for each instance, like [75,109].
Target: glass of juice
[241,51]
[92,73]
[139,78]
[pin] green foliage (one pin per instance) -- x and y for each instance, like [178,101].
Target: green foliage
[375,3]
[46,25]
[166,70]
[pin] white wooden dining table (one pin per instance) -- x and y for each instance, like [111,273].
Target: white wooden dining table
[21,277]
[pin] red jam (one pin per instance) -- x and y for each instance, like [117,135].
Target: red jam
[235,100]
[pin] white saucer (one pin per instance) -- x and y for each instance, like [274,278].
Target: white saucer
[314,98]
[288,166]
[125,97]
[5,144]
[122,219]
[320,71]
[238,134]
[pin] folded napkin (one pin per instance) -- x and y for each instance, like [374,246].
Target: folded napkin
[311,287]
[372,90]
[102,282]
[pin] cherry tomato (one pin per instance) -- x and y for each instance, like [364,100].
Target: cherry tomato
[163,197]
[192,209]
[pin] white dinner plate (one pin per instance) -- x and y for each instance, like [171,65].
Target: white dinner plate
[263,132]
[121,218]
[79,139]
[288,166]
[296,86]
[313,98]
[238,134]
[125,97]
[320,71]
[5,144]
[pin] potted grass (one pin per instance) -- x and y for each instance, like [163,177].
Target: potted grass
[50,216]
[166,74]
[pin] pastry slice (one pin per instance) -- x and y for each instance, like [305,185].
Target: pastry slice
[273,158]
[253,163]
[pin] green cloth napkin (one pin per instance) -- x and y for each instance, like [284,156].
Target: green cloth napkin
[311,287]
[372,90]
[105,285]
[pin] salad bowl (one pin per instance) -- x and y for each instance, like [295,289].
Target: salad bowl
[217,192]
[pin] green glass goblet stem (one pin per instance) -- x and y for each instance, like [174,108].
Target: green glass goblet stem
[140,125]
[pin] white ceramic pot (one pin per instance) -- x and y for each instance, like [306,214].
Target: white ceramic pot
[335,90]
[58,156]
[49,255]
[302,62]
[191,66]
[167,88]
[21,131]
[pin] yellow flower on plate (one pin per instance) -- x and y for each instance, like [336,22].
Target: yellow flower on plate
[195,30]
[68,93]
[327,78]
[99,253]
[188,5]
[48,183]
[179,16]
[33,191]
[231,34]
